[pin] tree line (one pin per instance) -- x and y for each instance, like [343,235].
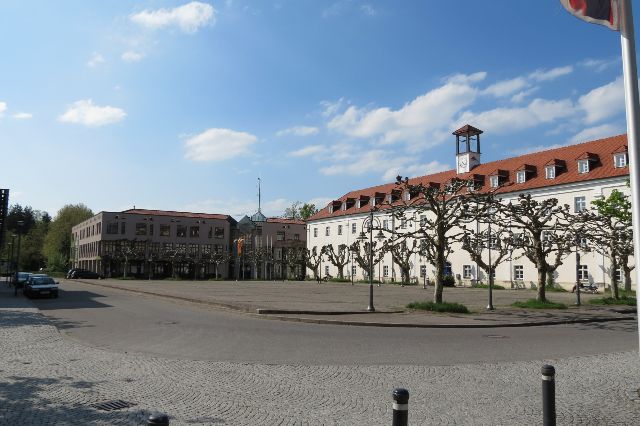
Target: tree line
[543,231]
[45,242]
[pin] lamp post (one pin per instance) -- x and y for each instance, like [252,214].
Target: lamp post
[15,287]
[577,270]
[10,271]
[370,223]
[489,244]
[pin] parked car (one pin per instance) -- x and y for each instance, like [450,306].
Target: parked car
[41,285]
[82,273]
[22,278]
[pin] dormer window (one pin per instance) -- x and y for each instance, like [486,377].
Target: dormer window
[521,176]
[498,178]
[583,166]
[550,172]
[620,160]
[494,181]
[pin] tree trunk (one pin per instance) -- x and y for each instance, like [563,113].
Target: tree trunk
[627,280]
[340,271]
[405,275]
[437,294]
[542,276]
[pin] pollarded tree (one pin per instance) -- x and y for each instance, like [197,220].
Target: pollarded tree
[312,260]
[486,245]
[539,231]
[292,257]
[339,258]
[360,252]
[401,251]
[612,235]
[438,211]
[126,251]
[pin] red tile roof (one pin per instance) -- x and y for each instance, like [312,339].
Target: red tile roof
[603,149]
[284,220]
[177,214]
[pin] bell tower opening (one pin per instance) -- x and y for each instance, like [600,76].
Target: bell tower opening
[467,148]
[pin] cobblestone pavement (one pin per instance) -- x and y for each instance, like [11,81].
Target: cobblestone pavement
[46,379]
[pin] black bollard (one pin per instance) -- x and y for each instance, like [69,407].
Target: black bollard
[400,407]
[158,419]
[548,395]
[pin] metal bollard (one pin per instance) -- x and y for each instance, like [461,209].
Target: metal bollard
[548,395]
[158,419]
[400,407]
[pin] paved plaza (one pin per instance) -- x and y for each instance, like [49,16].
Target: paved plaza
[49,379]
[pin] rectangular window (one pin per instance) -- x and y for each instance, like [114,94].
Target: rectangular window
[165,230]
[423,221]
[521,176]
[583,166]
[385,224]
[620,160]
[280,236]
[167,246]
[579,204]
[618,274]
[181,231]
[466,272]
[494,181]
[353,270]
[123,226]
[423,271]
[258,230]
[217,248]
[112,228]
[326,270]
[326,231]
[151,229]
[339,229]
[194,231]
[141,229]
[518,272]
[99,228]
[583,272]
[385,271]
[550,172]
[193,249]
[218,232]
[296,237]
[353,228]
[315,232]
[403,223]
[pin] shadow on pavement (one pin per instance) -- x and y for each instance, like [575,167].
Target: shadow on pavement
[631,325]
[22,401]
[9,319]
[81,299]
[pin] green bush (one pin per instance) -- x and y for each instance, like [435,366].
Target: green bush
[448,281]
[439,307]
[535,304]
[629,301]
[495,286]
[555,289]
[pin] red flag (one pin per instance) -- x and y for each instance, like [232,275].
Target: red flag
[603,12]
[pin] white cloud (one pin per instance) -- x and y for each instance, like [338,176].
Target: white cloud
[552,74]
[537,148]
[85,112]
[520,96]
[22,115]
[320,202]
[298,131]
[218,145]
[502,120]
[331,108]
[603,102]
[423,122]
[131,56]
[506,87]
[597,132]
[414,170]
[369,161]
[466,78]
[368,10]
[239,207]
[95,60]
[309,150]
[3,108]
[189,17]
[599,65]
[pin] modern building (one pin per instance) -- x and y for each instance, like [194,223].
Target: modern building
[157,244]
[575,175]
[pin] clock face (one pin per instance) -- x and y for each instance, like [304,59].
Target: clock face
[462,162]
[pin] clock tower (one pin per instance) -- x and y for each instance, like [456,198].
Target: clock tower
[467,148]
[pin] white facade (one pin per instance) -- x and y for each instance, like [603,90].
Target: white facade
[333,225]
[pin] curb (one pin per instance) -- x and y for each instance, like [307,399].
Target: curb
[277,314]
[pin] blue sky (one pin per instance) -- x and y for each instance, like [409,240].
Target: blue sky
[180,105]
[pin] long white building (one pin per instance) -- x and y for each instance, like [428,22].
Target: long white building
[575,175]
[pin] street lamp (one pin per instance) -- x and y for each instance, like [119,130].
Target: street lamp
[369,222]
[15,287]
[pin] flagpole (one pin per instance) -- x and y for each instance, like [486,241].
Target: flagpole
[630,71]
